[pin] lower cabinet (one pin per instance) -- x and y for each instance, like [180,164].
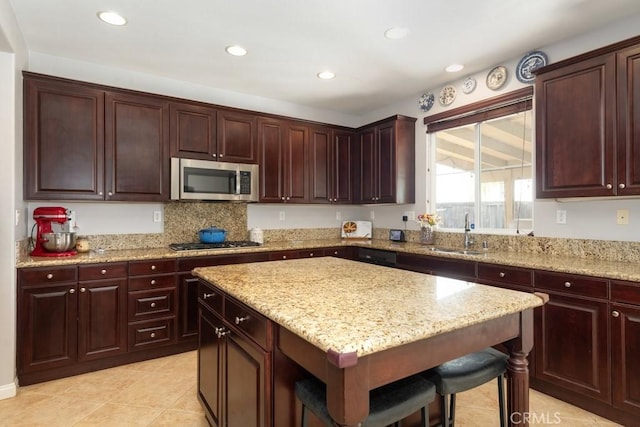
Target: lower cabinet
[447,267]
[234,370]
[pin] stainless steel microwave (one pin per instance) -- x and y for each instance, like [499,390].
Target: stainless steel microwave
[209,180]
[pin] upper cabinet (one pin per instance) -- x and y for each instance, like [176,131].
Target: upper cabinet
[587,135]
[330,165]
[86,143]
[385,161]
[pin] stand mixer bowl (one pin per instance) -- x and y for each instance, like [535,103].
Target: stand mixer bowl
[58,242]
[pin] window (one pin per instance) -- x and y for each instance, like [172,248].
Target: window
[481,163]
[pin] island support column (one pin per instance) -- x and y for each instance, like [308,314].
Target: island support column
[518,372]
[347,389]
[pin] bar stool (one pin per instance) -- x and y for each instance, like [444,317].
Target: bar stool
[387,404]
[465,373]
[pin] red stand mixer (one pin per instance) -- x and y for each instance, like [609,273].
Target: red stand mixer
[50,243]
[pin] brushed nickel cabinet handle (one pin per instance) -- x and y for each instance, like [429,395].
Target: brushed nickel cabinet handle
[152,335]
[72,291]
[49,276]
[83,290]
[153,304]
[502,274]
[615,313]
[153,281]
[153,267]
[609,186]
[205,296]
[103,272]
[222,332]
[567,284]
[239,320]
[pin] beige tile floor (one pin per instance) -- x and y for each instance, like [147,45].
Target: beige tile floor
[162,392]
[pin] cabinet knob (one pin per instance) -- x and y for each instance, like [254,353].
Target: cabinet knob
[83,290]
[205,296]
[567,284]
[621,185]
[153,267]
[49,276]
[100,193]
[153,281]
[311,254]
[282,197]
[222,332]
[221,155]
[214,155]
[288,197]
[609,186]
[241,319]
[284,257]
[502,274]
[110,193]
[153,304]
[615,313]
[72,291]
[152,335]
[103,272]
[335,252]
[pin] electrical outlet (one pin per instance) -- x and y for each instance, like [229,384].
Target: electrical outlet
[405,218]
[157,216]
[622,217]
[338,215]
[561,216]
[281,215]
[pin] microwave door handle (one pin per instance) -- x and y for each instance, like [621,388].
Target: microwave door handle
[238,180]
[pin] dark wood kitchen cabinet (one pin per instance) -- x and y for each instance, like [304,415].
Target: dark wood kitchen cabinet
[237,136]
[587,141]
[63,140]
[386,161]
[234,363]
[330,165]
[516,278]
[625,346]
[571,335]
[447,267]
[193,131]
[283,147]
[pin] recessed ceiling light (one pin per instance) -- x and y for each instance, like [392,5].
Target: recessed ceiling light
[396,33]
[454,68]
[236,50]
[326,75]
[112,18]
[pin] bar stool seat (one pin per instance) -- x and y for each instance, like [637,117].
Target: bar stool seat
[387,404]
[465,373]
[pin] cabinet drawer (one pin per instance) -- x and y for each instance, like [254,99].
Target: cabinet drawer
[311,253]
[102,271]
[152,282]
[247,320]
[627,292]
[572,284]
[153,333]
[210,297]
[518,277]
[147,304]
[156,266]
[40,276]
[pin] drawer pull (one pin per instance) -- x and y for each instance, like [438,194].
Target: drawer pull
[609,186]
[311,254]
[72,291]
[615,313]
[103,271]
[153,304]
[152,335]
[49,276]
[241,319]
[83,290]
[221,332]
[284,257]
[621,186]
[567,284]
[153,267]
[205,296]
[502,274]
[335,252]
[153,281]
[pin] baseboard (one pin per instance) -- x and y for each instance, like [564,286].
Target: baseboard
[8,390]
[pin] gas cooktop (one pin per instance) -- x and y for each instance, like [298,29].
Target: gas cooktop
[221,245]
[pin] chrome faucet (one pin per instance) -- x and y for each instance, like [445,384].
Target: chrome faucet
[468,241]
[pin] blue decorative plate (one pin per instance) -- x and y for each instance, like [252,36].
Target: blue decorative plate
[528,64]
[426,101]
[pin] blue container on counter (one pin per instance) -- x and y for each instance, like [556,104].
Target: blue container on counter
[212,235]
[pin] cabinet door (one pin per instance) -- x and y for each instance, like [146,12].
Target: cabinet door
[137,148]
[102,320]
[575,129]
[237,137]
[342,161]
[187,306]
[571,342]
[193,131]
[210,365]
[47,327]
[296,180]
[629,121]
[320,165]
[63,141]
[368,184]
[246,383]
[625,353]
[386,163]
[271,137]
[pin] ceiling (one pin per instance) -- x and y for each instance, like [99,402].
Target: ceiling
[290,41]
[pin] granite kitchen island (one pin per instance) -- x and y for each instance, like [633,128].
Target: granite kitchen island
[355,326]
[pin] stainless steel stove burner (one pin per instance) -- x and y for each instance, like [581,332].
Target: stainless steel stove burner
[221,245]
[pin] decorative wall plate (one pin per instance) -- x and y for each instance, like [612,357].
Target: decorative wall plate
[426,101]
[447,95]
[497,78]
[528,64]
[468,85]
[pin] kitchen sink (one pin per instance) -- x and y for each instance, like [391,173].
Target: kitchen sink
[458,251]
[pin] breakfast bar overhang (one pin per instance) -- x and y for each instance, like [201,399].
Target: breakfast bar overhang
[358,326]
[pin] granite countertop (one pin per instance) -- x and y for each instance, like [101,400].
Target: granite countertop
[591,267]
[348,306]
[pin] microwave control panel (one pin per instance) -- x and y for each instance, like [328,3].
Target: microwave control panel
[245,182]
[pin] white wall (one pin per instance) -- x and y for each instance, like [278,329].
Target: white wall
[12,58]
